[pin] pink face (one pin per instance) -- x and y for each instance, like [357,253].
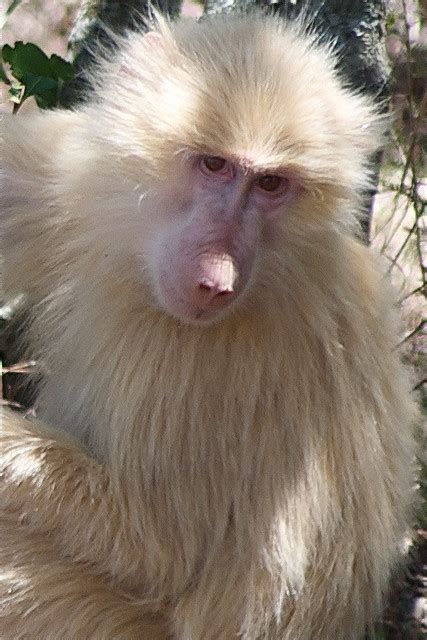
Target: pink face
[217,212]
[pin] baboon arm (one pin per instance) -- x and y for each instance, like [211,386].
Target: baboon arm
[51,487]
[47,598]
[62,549]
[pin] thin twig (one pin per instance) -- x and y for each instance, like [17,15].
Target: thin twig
[413,333]
[420,384]
[420,289]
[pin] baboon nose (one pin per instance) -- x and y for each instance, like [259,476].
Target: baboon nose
[213,290]
[217,280]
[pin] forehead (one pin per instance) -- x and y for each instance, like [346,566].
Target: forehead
[233,87]
[253,91]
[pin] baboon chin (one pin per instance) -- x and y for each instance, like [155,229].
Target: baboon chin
[224,446]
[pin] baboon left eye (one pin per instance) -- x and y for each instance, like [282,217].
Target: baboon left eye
[272,183]
[214,164]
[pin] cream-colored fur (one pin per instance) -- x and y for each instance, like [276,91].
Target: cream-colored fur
[249,478]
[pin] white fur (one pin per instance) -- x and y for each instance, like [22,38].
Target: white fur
[250,478]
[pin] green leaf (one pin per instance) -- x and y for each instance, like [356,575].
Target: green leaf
[41,76]
[37,85]
[29,58]
[26,58]
[61,68]
[45,90]
[47,100]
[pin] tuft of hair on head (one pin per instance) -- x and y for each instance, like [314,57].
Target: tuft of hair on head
[253,85]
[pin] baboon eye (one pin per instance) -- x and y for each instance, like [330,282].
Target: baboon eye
[272,183]
[213,164]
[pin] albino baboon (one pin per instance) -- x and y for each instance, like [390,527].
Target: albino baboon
[218,348]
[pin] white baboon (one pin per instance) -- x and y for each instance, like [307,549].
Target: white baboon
[225,447]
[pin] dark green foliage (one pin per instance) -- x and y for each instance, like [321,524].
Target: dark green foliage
[34,74]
